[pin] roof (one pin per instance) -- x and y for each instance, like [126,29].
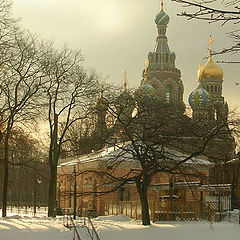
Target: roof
[216,187]
[123,153]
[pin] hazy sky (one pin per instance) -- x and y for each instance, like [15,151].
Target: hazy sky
[115,35]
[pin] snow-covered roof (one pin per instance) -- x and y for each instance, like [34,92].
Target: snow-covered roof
[124,153]
[216,187]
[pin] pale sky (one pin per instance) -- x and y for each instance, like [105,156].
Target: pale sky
[115,35]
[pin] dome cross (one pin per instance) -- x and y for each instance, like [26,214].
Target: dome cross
[102,88]
[210,46]
[145,71]
[125,81]
[162,3]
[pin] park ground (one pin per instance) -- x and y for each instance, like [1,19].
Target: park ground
[16,227]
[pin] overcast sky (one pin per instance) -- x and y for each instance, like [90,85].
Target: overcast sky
[115,35]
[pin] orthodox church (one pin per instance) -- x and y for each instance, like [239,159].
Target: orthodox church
[161,85]
[163,78]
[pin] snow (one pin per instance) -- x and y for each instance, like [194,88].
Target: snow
[111,227]
[29,228]
[121,227]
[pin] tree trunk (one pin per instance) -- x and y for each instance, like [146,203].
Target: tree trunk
[142,191]
[5,177]
[53,160]
[52,192]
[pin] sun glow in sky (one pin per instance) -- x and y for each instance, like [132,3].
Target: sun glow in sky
[110,16]
[115,35]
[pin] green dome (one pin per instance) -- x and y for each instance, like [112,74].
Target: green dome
[162,18]
[146,93]
[199,98]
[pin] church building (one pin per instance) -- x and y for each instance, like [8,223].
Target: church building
[161,87]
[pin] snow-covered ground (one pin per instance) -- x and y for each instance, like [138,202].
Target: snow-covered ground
[122,228]
[115,228]
[33,228]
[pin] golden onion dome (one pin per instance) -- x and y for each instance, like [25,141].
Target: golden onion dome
[210,71]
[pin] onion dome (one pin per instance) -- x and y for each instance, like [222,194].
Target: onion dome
[125,97]
[102,104]
[146,93]
[199,98]
[125,102]
[210,71]
[125,105]
[162,18]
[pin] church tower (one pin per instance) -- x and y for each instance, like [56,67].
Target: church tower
[161,72]
[100,131]
[207,101]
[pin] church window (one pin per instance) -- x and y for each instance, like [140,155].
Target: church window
[207,88]
[211,89]
[169,93]
[219,89]
[215,89]
[166,58]
[156,58]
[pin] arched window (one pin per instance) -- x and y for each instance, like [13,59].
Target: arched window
[169,93]
[215,89]
[207,88]
[156,58]
[211,89]
[166,58]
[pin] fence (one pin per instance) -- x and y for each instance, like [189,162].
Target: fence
[128,208]
[224,201]
[26,208]
[167,210]
[83,222]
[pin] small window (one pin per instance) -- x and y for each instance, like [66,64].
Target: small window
[211,89]
[124,194]
[169,93]
[166,58]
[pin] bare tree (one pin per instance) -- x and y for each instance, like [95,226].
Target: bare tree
[226,11]
[27,164]
[69,90]
[21,81]
[158,139]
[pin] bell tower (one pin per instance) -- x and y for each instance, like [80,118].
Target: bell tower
[161,72]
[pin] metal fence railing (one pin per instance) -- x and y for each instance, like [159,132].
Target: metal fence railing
[86,222]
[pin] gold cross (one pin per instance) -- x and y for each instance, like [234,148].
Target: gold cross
[102,87]
[125,81]
[210,45]
[161,5]
[146,65]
